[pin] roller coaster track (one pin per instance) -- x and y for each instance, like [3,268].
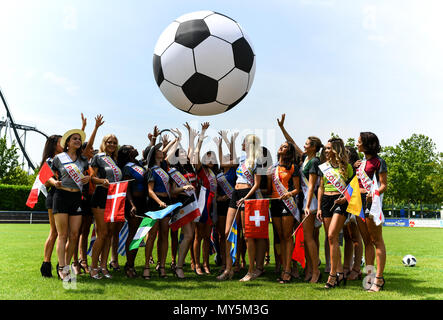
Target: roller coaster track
[15,127]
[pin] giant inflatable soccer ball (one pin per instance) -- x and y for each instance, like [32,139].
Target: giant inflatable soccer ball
[204,63]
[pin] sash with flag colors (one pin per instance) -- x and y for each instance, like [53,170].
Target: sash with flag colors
[189,212]
[232,238]
[257,219]
[39,185]
[146,225]
[376,207]
[122,237]
[205,203]
[352,194]
[299,248]
[115,202]
[91,242]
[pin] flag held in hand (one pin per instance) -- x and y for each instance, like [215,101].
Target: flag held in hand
[39,185]
[115,202]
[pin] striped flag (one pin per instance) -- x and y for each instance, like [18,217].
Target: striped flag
[122,237]
[39,185]
[91,243]
[352,194]
[232,238]
[146,225]
[204,203]
[187,213]
[376,207]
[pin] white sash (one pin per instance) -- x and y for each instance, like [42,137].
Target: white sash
[212,179]
[163,175]
[250,177]
[363,176]
[225,185]
[333,177]
[180,180]
[72,169]
[115,169]
[281,190]
[305,188]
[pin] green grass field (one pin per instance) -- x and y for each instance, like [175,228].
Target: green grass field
[22,253]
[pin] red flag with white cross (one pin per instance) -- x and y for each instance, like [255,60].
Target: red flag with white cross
[257,219]
[115,202]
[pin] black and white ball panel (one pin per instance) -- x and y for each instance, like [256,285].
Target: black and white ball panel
[204,63]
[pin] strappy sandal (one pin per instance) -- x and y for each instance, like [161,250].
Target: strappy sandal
[162,274]
[284,281]
[258,272]
[84,266]
[267,260]
[340,280]
[226,275]
[105,274]
[353,272]
[329,285]
[75,266]
[379,286]
[207,270]
[198,270]
[176,272]
[111,266]
[146,277]
[96,276]
[65,276]
[248,277]
[130,271]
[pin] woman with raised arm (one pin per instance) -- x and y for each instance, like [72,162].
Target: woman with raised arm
[309,185]
[207,170]
[106,171]
[70,168]
[226,179]
[284,180]
[336,172]
[51,149]
[184,185]
[248,182]
[370,168]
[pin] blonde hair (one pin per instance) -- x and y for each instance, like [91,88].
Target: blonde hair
[254,150]
[103,145]
[341,155]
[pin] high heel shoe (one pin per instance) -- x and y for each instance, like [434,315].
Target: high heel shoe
[343,279]
[318,279]
[226,275]
[46,269]
[198,270]
[162,274]
[105,273]
[176,271]
[95,276]
[284,281]
[65,276]
[113,267]
[353,272]
[146,277]
[330,286]
[379,286]
[130,271]
[84,266]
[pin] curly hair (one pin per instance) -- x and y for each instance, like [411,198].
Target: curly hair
[341,155]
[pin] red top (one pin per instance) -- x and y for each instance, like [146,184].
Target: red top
[374,165]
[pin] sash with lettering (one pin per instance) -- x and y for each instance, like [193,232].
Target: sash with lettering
[136,169]
[225,185]
[115,169]
[333,177]
[372,187]
[212,179]
[163,176]
[304,183]
[180,180]
[71,168]
[281,190]
[250,177]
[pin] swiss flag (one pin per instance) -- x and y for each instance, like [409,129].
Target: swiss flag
[257,219]
[39,185]
[299,249]
[115,202]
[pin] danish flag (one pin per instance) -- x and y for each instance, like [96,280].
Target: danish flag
[39,185]
[115,202]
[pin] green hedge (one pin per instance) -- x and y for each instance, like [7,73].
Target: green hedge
[14,198]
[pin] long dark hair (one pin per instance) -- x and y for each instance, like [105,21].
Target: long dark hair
[183,168]
[50,147]
[370,143]
[123,156]
[290,157]
[215,168]
[78,151]
[163,163]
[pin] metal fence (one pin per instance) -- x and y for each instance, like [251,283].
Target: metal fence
[31,217]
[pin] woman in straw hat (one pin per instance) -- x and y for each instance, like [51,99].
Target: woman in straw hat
[70,166]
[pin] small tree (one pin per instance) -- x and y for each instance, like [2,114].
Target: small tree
[10,170]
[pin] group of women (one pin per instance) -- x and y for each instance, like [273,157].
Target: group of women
[299,191]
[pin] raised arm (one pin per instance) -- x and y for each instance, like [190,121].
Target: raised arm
[201,137]
[98,123]
[286,134]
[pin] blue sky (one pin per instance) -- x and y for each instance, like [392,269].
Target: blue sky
[331,66]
